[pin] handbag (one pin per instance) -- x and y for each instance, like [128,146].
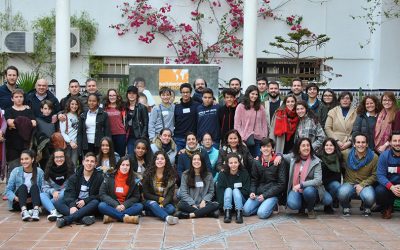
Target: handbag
[250,142]
[57,140]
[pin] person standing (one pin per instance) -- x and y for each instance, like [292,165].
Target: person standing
[162,116]
[207,118]
[226,112]
[41,92]
[11,75]
[262,85]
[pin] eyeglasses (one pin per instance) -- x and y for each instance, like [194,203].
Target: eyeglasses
[387,100]
[59,157]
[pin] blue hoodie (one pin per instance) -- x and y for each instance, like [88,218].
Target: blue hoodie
[388,170]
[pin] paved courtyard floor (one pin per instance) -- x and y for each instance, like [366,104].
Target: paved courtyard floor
[282,231]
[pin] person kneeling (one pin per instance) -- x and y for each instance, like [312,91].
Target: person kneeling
[267,183]
[120,194]
[233,184]
[81,194]
[24,186]
[197,191]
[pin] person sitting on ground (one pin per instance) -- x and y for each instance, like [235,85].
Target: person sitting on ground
[267,183]
[120,194]
[81,196]
[388,174]
[107,158]
[164,142]
[141,157]
[158,188]
[360,176]
[24,186]
[58,169]
[197,191]
[207,144]
[233,186]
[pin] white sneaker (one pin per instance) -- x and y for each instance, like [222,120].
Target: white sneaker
[171,220]
[53,215]
[25,215]
[35,214]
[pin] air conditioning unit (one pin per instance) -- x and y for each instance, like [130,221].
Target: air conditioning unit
[17,42]
[74,42]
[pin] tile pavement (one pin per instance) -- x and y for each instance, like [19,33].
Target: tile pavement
[283,231]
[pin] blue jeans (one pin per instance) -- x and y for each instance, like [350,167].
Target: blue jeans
[48,201]
[153,209]
[119,142]
[237,197]
[180,143]
[263,209]
[130,145]
[307,199]
[347,192]
[105,209]
[333,188]
[255,150]
[384,196]
[89,209]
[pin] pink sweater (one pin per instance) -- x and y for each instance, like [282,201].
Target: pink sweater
[244,122]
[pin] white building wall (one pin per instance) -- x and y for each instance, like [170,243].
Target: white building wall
[375,66]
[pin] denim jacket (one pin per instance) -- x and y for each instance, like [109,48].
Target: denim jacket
[17,179]
[49,187]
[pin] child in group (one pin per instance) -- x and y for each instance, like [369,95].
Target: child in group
[45,124]
[58,169]
[197,191]
[120,194]
[233,186]
[159,187]
[25,182]
[162,116]
[69,128]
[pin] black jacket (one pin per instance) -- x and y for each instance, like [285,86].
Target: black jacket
[366,125]
[34,103]
[226,117]
[247,159]
[64,101]
[107,192]
[269,181]
[73,188]
[102,129]
[137,121]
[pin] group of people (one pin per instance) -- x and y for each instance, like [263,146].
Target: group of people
[242,155]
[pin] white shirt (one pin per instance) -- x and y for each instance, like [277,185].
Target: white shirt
[28,182]
[91,125]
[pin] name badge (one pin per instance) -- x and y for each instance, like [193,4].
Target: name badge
[119,189]
[199,184]
[165,113]
[186,110]
[237,185]
[84,188]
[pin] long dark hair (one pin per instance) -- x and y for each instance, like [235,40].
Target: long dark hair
[337,151]
[68,105]
[32,155]
[203,170]
[283,106]
[246,98]
[148,155]
[119,102]
[50,163]
[233,131]
[131,174]
[296,149]
[168,174]
[111,154]
[232,155]
[334,102]
[309,113]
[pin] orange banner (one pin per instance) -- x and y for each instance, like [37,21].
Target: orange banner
[173,78]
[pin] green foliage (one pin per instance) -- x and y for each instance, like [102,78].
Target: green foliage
[27,81]
[123,86]
[96,66]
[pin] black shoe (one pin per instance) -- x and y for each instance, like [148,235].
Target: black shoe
[61,222]
[228,216]
[329,210]
[377,208]
[239,216]
[335,203]
[88,220]
[182,215]
[215,214]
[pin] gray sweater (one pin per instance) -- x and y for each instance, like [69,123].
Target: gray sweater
[156,121]
[193,196]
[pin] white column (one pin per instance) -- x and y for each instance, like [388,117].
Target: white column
[63,57]
[249,43]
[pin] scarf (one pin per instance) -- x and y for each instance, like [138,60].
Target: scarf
[301,171]
[331,162]
[314,106]
[266,164]
[286,123]
[58,174]
[45,118]
[345,111]
[190,152]
[166,147]
[356,164]
[383,129]
[120,186]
